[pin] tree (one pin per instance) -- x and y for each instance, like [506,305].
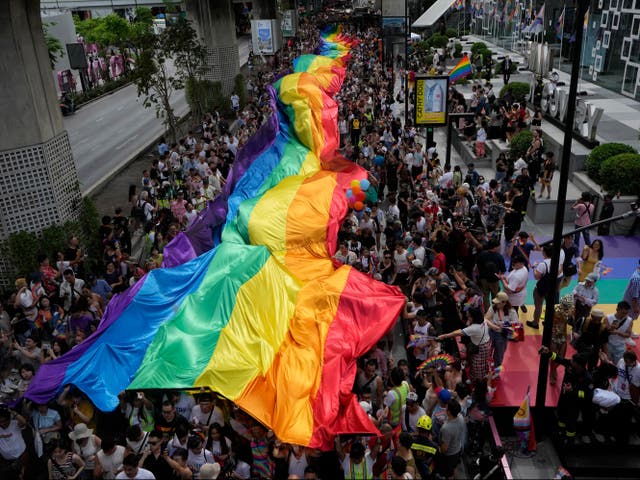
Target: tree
[155,76]
[54,46]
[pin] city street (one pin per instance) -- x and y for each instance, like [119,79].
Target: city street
[107,133]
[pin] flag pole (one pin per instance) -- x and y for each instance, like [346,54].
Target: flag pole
[561,39]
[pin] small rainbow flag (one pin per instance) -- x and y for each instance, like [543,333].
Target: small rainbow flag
[461,70]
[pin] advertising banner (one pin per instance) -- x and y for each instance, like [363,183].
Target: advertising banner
[262,36]
[289,23]
[431,100]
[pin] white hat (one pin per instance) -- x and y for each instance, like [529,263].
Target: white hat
[80,431]
[366,406]
[209,471]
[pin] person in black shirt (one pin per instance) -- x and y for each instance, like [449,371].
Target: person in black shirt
[490,265]
[169,420]
[154,458]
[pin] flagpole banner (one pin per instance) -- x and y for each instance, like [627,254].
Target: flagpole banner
[431,100]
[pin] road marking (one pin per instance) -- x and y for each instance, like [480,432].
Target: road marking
[122,144]
[121,107]
[99,119]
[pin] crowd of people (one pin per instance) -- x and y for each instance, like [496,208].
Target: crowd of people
[450,240]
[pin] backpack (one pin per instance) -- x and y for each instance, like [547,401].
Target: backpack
[545,283]
[138,212]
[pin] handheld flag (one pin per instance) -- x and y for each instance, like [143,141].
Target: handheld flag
[524,426]
[461,70]
[537,26]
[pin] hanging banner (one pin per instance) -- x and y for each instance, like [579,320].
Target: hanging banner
[431,100]
[265,36]
[289,23]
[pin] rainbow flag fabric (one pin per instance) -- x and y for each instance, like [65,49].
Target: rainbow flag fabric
[461,70]
[249,302]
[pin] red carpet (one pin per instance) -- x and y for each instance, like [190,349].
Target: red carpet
[520,370]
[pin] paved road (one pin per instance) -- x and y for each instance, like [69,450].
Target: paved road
[106,134]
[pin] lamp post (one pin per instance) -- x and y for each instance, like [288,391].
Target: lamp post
[406,62]
[543,371]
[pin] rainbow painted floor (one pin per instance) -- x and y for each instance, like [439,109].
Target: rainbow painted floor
[621,256]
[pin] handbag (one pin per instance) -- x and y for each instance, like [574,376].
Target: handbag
[474,349]
[570,270]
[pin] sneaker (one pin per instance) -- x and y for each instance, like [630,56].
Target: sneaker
[599,437]
[586,439]
[524,309]
[533,325]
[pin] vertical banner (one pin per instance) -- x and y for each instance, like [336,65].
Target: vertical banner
[289,23]
[266,36]
[431,100]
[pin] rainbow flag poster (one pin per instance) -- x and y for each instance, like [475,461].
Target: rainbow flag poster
[249,302]
[461,70]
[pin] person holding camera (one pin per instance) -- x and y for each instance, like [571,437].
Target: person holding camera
[584,210]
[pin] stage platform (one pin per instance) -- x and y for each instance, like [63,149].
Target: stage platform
[621,256]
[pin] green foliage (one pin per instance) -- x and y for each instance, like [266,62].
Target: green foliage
[438,40]
[457,50]
[601,153]
[621,173]
[451,33]
[205,96]
[95,92]
[56,51]
[240,87]
[519,91]
[520,143]
[478,47]
[23,248]
[155,81]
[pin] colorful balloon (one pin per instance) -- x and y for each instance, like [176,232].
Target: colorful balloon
[349,193]
[355,183]
[356,189]
[358,205]
[361,196]
[365,184]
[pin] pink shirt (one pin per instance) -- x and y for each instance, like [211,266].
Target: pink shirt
[582,217]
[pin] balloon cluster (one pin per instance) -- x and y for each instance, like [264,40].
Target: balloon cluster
[356,195]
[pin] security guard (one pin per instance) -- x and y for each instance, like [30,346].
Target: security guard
[576,394]
[424,449]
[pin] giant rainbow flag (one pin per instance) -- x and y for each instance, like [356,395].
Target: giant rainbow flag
[249,302]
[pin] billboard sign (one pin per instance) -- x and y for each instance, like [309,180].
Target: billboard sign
[431,100]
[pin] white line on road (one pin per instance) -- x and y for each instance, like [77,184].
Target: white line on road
[99,119]
[122,144]
[121,107]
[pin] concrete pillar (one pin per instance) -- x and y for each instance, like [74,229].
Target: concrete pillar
[214,21]
[38,179]
[264,9]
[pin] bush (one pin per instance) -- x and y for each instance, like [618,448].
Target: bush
[451,33]
[519,91]
[478,47]
[601,153]
[438,40]
[621,173]
[520,143]
[457,50]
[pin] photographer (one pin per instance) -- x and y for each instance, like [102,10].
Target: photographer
[584,210]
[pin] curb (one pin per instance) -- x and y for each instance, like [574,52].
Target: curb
[97,187]
[110,92]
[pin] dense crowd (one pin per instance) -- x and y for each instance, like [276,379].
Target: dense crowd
[450,240]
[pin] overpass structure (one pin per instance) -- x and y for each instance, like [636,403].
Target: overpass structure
[39,183]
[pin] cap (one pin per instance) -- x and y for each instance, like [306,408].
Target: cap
[592,277]
[444,395]
[366,406]
[412,397]
[433,271]
[523,235]
[209,471]
[501,297]
[416,263]
[596,313]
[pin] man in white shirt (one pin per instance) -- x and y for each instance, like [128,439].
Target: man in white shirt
[619,325]
[110,458]
[12,445]
[515,282]
[345,256]
[205,412]
[586,295]
[541,269]
[411,411]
